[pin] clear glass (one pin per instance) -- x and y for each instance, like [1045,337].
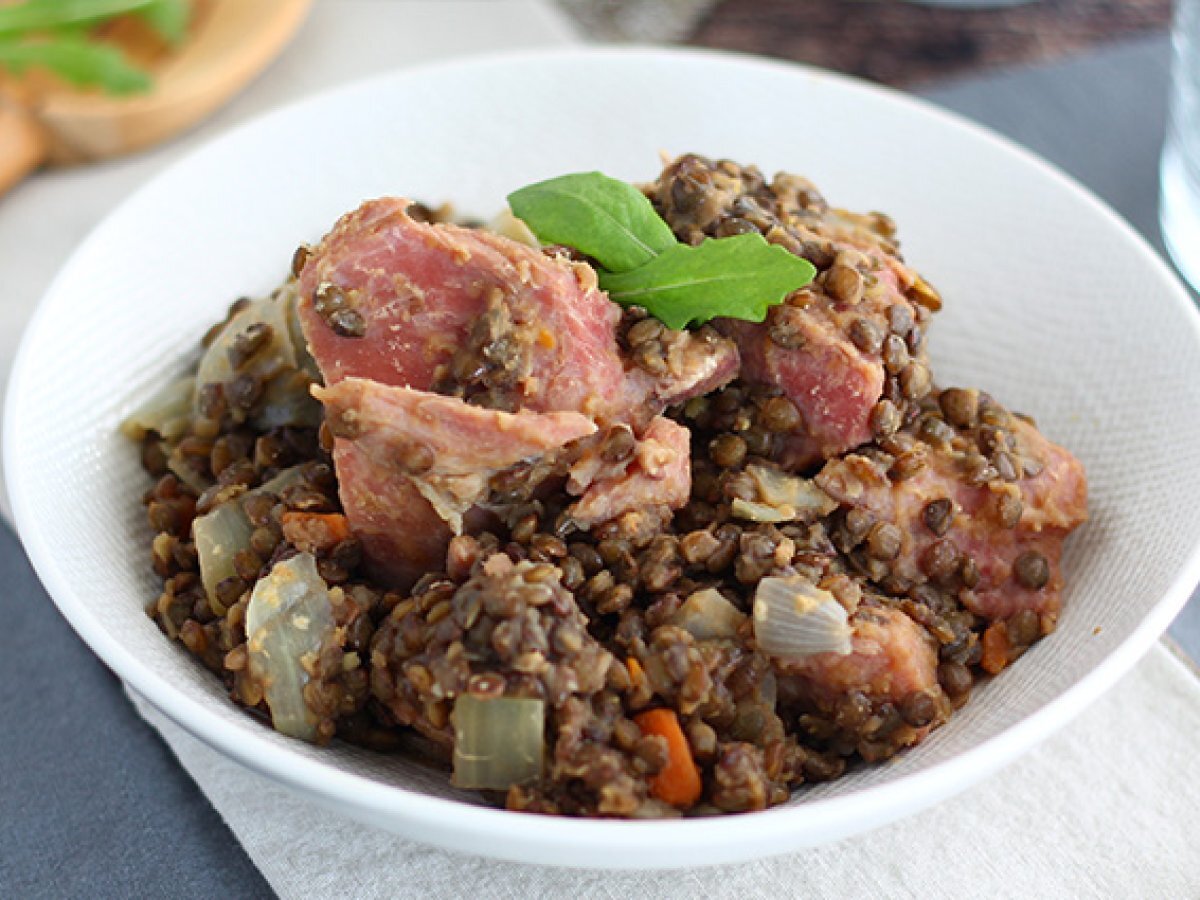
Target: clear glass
[1179,202]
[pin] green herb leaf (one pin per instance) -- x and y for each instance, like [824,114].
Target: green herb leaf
[48,15]
[77,61]
[608,220]
[168,18]
[738,277]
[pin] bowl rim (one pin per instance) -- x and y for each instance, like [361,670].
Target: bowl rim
[559,840]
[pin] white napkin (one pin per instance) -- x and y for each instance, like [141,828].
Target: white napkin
[1107,808]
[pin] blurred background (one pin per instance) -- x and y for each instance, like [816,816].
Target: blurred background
[904,43]
[84,80]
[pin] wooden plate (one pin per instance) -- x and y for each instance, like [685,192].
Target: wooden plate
[229,42]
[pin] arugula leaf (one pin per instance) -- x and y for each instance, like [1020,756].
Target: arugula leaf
[76,60]
[48,15]
[168,18]
[738,277]
[606,219]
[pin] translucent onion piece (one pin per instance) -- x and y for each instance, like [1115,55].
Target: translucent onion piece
[793,497]
[507,225]
[498,742]
[708,616]
[181,466]
[276,485]
[219,536]
[168,412]
[279,354]
[304,360]
[760,512]
[287,401]
[223,532]
[288,620]
[793,618]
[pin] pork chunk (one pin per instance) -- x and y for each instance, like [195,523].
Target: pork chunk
[890,657]
[468,313]
[413,465]
[880,697]
[655,474]
[848,350]
[978,506]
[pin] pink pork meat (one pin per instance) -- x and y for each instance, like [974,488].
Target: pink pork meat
[411,465]
[458,310]
[989,529]
[892,660]
[848,351]
[833,351]
[656,474]
[391,301]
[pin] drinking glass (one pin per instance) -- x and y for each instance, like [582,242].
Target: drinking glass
[1179,200]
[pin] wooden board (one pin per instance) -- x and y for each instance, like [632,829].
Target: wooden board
[229,42]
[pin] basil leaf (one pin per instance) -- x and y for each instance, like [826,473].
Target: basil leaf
[738,277]
[45,15]
[601,217]
[77,61]
[168,18]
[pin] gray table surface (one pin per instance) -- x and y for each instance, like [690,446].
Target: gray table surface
[93,803]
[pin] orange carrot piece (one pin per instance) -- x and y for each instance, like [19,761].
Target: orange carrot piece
[312,532]
[679,781]
[636,674]
[997,649]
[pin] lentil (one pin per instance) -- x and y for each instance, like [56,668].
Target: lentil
[1031,570]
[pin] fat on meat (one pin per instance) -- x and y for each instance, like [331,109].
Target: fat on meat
[657,473]
[412,466]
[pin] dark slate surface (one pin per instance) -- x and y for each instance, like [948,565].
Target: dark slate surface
[92,804]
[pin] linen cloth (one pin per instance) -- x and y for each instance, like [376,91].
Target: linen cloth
[1106,808]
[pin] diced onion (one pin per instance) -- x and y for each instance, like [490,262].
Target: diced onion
[507,225]
[707,616]
[498,742]
[220,535]
[168,412]
[793,619]
[287,401]
[215,365]
[782,498]
[276,485]
[181,465]
[304,360]
[225,531]
[752,511]
[288,620]
[284,364]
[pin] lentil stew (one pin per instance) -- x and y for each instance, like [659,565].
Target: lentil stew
[438,483]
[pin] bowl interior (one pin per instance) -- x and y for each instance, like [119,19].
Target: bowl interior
[1053,306]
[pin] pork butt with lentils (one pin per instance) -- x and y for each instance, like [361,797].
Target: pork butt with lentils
[440,488]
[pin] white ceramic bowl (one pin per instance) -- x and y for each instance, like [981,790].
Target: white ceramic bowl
[1054,305]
